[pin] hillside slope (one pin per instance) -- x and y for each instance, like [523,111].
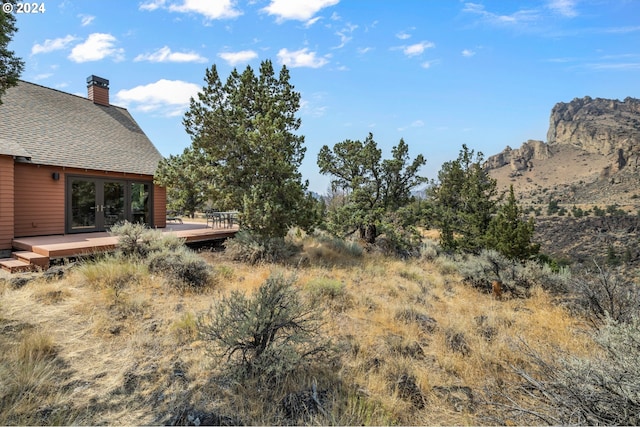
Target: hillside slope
[592,156]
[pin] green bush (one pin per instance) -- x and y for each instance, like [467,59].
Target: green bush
[137,240]
[325,287]
[399,240]
[163,253]
[430,250]
[266,336]
[597,211]
[517,277]
[250,248]
[181,267]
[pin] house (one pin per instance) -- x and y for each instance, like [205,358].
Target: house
[70,164]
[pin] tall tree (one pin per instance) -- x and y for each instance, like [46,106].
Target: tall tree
[371,188]
[185,178]
[10,65]
[245,129]
[509,233]
[464,201]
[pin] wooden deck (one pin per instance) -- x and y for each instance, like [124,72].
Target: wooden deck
[61,246]
[34,250]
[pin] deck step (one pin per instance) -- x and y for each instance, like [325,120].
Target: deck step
[13,265]
[32,258]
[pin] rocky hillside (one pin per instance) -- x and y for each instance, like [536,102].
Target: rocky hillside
[601,126]
[591,161]
[591,157]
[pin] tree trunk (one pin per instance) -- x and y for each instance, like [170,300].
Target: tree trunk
[368,233]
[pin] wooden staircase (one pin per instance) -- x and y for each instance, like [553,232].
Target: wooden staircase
[22,261]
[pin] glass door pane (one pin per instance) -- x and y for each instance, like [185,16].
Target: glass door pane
[140,209]
[113,203]
[83,205]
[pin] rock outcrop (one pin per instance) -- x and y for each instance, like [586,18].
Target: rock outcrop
[603,126]
[607,127]
[521,158]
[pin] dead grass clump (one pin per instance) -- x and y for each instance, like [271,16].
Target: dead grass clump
[30,376]
[322,245]
[36,345]
[185,329]
[415,315]
[113,273]
[51,293]
[330,291]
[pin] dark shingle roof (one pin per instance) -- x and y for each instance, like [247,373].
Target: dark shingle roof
[57,128]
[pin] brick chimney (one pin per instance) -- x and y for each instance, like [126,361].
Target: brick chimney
[98,90]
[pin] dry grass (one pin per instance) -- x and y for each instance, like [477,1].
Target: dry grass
[112,344]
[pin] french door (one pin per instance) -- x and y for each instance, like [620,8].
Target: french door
[96,204]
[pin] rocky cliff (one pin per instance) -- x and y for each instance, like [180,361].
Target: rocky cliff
[521,158]
[603,126]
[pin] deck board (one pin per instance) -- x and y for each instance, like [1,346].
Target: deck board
[68,245]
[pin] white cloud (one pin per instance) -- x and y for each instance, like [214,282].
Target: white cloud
[414,124]
[97,46]
[312,106]
[152,5]
[166,97]
[467,53]
[312,21]
[345,35]
[565,8]
[86,19]
[429,64]
[403,36]
[363,50]
[300,10]
[418,48]
[301,58]
[164,54]
[50,45]
[210,9]
[234,58]
[519,17]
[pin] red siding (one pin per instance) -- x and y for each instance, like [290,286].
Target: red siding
[159,206]
[6,202]
[40,200]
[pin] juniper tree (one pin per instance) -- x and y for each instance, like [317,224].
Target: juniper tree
[509,233]
[185,179]
[464,200]
[245,130]
[372,189]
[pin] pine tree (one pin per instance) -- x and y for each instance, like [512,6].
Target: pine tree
[245,129]
[509,233]
[10,65]
[464,200]
[184,177]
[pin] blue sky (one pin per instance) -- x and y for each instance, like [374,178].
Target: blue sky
[436,73]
